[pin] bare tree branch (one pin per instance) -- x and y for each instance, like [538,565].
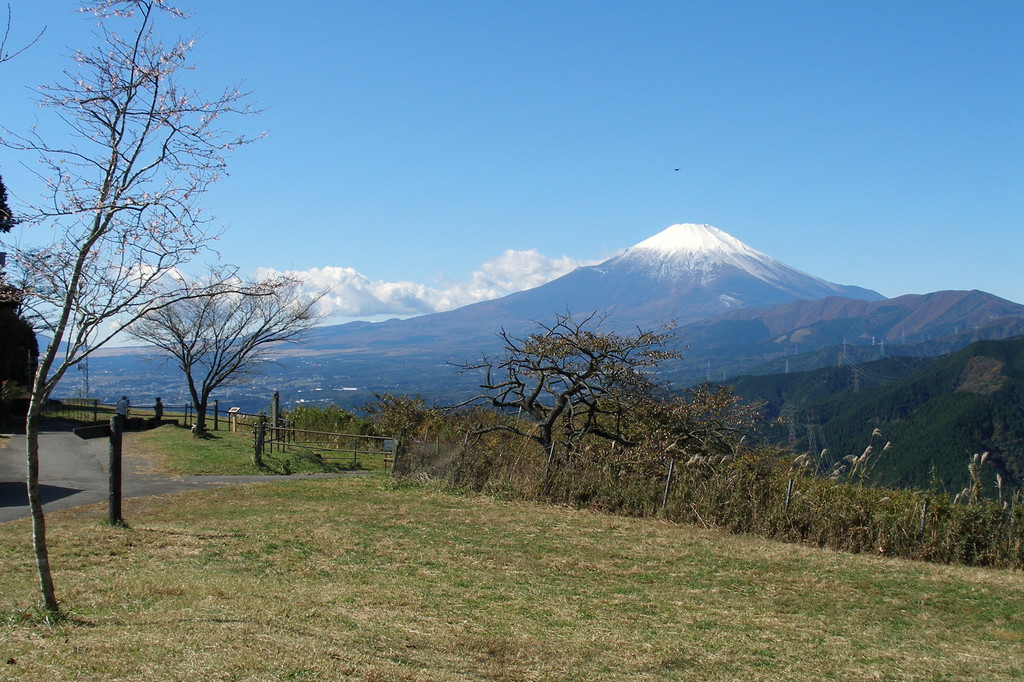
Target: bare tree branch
[5,55]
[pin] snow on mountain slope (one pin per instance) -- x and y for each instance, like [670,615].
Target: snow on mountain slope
[684,273]
[705,255]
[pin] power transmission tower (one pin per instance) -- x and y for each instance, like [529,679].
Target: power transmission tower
[789,417]
[83,367]
[812,439]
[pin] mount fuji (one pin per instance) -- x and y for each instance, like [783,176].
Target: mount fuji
[684,273]
[735,307]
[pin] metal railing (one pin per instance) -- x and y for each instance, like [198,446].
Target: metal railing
[92,410]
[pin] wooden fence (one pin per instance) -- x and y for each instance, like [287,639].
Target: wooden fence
[322,445]
[270,434]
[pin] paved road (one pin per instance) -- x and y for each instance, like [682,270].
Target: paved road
[73,472]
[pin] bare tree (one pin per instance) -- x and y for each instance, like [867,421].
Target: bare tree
[122,202]
[571,379]
[222,338]
[701,424]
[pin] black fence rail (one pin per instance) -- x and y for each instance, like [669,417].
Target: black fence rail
[217,418]
[92,410]
[77,409]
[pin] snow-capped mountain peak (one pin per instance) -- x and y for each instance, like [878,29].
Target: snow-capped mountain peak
[696,250]
[690,238]
[703,269]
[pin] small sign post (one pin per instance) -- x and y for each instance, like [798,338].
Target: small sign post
[114,505]
[112,430]
[233,418]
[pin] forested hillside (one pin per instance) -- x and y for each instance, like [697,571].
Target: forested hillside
[935,412]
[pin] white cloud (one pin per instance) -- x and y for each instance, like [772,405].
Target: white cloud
[353,295]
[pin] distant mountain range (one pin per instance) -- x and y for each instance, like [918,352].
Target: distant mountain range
[737,310]
[811,334]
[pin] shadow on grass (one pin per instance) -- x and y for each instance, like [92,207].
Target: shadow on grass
[36,616]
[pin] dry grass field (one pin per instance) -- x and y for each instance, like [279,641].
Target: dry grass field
[354,578]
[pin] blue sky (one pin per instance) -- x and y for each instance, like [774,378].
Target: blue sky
[422,155]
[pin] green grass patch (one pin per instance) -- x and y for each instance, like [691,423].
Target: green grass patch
[173,450]
[353,578]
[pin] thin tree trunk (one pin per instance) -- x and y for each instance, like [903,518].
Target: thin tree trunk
[199,430]
[199,403]
[47,594]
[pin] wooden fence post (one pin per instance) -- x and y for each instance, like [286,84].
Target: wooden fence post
[261,432]
[668,482]
[216,415]
[924,514]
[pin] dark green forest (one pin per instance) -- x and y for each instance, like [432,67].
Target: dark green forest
[935,412]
